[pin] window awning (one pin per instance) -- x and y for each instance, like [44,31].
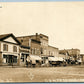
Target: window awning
[35,57]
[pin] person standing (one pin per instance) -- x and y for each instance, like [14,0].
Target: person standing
[26,63]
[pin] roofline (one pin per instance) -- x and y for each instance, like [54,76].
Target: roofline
[71,49]
[53,47]
[9,42]
[43,35]
[8,35]
[25,36]
[31,36]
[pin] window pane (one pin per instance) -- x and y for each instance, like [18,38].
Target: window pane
[14,49]
[15,59]
[5,47]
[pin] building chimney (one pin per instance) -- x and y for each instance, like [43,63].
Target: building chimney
[36,35]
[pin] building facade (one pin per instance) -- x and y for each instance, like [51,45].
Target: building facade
[34,43]
[53,51]
[74,54]
[9,50]
[39,47]
[82,58]
[24,55]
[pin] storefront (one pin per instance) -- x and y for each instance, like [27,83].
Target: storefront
[24,54]
[23,58]
[55,61]
[36,60]
[45,59]
[9,59]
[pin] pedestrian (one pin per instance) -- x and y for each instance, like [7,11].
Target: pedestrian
[26,63]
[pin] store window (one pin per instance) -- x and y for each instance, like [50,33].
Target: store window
[14,59]
[9,58]
[5,47]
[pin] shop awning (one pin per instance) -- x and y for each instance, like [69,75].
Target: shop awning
[55,59]
[10,54]
[60,59]
[35,57]
[52,59]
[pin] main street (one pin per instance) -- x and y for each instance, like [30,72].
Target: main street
[42,74]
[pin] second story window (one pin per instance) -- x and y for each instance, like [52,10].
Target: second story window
[5,47]
[14,49]
[49,52]
[32,51]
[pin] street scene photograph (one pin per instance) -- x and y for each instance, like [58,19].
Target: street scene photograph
[41,41]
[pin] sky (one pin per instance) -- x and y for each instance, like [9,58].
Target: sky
[63,22]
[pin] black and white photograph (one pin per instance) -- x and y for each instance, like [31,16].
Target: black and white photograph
[41,41]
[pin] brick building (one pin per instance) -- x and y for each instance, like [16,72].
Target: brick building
[74,54]
[39,47]
[34,43]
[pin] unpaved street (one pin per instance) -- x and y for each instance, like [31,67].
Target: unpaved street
[42,74]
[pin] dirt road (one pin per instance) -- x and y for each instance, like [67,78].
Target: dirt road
[42,74]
